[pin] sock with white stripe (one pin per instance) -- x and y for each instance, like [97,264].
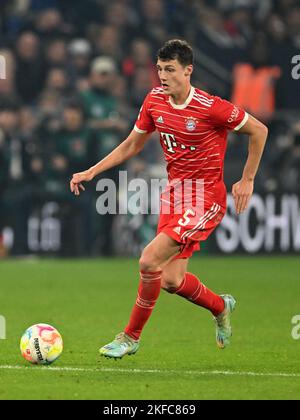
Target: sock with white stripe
[148,292]
[192,289]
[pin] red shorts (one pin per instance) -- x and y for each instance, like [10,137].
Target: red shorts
[190,227]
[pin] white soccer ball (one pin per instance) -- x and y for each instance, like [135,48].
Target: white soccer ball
[41,344]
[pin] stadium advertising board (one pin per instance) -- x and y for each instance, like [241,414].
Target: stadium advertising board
[270,224]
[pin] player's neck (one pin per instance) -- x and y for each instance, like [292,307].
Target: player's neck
[181,97]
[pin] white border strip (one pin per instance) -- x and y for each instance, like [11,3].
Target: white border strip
[139,130]
[154,371]
[245,119]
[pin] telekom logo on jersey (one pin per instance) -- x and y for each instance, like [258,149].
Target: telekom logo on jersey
[171,143]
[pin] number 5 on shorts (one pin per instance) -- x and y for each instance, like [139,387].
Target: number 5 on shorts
[185,220]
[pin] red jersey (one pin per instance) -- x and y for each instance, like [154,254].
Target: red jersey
[193,135]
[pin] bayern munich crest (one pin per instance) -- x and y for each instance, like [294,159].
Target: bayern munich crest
[190,123]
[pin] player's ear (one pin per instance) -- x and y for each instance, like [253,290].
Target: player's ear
[188,70]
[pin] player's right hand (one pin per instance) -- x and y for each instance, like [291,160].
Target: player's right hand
[242,192]
[77,179]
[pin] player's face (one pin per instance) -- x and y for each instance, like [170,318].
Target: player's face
[174,76]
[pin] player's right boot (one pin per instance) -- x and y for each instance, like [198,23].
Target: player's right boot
[122,345]
[223,327]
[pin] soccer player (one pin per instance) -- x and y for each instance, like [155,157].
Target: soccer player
[193,128]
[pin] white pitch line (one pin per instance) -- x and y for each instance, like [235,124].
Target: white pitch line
[155,371]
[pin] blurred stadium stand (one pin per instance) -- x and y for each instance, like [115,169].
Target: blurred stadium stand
[77,73]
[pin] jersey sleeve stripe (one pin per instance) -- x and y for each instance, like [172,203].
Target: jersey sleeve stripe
[139,130]
[245,119]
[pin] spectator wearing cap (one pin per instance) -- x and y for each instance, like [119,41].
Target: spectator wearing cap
[101,107]
[79,64]
[99,102]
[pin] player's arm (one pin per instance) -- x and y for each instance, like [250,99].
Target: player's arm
[128,148]
[243,189]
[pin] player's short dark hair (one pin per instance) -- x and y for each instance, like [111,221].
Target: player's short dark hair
[176,49]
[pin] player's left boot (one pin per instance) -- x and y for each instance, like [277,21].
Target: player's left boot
[223,327]
[122,345]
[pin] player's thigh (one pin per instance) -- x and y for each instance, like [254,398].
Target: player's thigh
[173,273]
[159,252]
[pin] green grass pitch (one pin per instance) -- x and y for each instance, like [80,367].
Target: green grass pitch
[89,301]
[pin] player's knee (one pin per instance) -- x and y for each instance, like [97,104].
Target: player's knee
[170,283]
[148,263]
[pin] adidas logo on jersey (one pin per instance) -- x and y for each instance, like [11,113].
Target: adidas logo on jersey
[160,120]
[177,230]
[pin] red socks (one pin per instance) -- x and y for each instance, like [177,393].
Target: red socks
[192,289]
[149,289]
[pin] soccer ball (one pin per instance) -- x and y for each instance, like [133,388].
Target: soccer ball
[41,344]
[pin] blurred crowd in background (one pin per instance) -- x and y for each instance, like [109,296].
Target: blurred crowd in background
[77,74]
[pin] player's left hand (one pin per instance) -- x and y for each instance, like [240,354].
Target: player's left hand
[242,192]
